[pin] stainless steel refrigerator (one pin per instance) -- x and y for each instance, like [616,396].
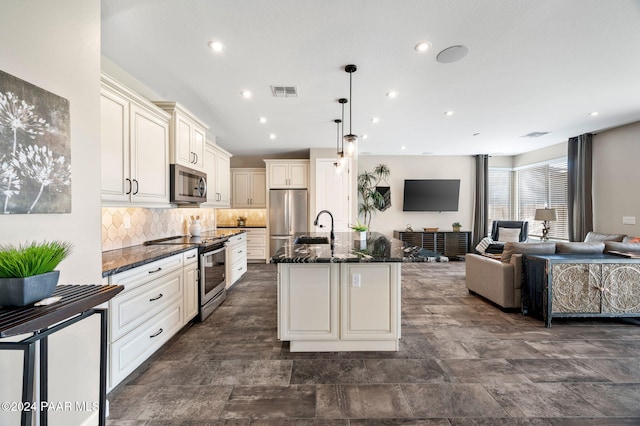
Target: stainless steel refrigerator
[287,215]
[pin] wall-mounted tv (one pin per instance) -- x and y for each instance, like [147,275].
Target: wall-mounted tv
[431,195]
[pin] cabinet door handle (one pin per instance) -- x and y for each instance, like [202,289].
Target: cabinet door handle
[196,158]
[191,257]
[130,186]
[137,186]
[240,268]
[155,270]
[157,333]
[156,298]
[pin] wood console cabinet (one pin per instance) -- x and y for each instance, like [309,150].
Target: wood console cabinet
[448,243]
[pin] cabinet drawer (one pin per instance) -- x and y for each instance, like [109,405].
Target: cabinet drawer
[256,253]
[257,240]
[189,257]
[237,270]
[130,309]
[143,274]
[237,252]
[237,239]
[127,353]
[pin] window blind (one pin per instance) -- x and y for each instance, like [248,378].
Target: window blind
[500,190]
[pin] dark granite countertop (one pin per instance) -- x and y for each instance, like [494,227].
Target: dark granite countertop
[120,260]
[348,248]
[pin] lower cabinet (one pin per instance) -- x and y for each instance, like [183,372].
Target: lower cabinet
[335,307]
[157,300]
[256,244]
[236,259]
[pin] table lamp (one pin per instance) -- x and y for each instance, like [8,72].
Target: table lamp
[546,215]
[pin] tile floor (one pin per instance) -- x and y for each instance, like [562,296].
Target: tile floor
[462,362]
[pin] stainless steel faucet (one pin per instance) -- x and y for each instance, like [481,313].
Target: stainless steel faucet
[315,223]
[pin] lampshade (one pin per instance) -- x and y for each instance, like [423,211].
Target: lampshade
[546,214]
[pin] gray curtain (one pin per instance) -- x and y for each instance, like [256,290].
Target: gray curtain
[579,181]
[481,203]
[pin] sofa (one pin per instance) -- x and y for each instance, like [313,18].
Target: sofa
[499,279]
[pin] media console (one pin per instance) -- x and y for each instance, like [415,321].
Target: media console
[447,243]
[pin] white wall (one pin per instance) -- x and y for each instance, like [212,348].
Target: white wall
[56,45]
[616,178]
[540,155]
[423,167]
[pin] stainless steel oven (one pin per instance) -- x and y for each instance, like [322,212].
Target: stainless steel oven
[212,279]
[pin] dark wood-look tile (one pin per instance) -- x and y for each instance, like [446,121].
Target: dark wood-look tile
[405,371]
[253,372]
[483,371]
[451,400]
[611,399]
[271,402]
[557,370]
[361,401]
[333,371]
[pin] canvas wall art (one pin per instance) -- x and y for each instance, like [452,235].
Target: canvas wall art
[35,150]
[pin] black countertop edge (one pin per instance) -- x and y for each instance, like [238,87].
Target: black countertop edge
[120,260]
[241,227]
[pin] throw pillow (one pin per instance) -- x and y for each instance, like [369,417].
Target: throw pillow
[483,244]
[526,248]
[619,246]
[580,247]
[509,235]
[597,236]
[631,240]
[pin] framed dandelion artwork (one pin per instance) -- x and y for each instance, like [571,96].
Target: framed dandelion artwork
[35,151]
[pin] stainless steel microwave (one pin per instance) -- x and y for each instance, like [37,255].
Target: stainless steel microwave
[188,186]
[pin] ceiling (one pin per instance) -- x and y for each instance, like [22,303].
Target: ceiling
[532,66]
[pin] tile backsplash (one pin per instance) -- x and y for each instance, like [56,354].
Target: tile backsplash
[229,217]
[125,227]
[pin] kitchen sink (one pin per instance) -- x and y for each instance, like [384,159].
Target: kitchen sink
[308,239]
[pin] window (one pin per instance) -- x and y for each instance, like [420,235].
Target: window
[539,186]
[500,190]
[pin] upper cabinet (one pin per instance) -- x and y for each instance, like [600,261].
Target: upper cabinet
[217,164]
[248,188]
[134,148]
[188,134]
[287,174]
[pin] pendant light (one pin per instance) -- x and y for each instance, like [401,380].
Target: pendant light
[337,163]
[350,139]
[341,154]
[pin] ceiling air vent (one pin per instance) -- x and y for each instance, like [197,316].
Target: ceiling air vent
[535,134]
[284,91]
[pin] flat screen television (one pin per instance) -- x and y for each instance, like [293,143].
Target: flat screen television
[431,195]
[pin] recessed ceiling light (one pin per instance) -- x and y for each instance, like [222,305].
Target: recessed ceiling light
[402,147]
[375,120]
[448,113]
[477,134]
[216,46]
[246,94]
[427,153]
[392,94]
[263,120]
[594,113]
[364,136]
[452,54]
[272,136]
[422,46]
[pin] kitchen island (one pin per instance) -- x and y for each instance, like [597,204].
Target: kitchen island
[343,296]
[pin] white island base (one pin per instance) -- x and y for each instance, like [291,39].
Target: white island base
[329,307]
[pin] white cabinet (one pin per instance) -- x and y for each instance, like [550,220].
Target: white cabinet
[236,259]
[287,174]
[190,273]
[339,307]
[249,188]
[256,243]
[134,148]
[145,315]
[188,136]
[218,168]
[332,192]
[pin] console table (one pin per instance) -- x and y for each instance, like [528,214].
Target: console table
[579,285]
[448,243]
[78,302]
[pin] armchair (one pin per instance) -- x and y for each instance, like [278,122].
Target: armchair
[497,245]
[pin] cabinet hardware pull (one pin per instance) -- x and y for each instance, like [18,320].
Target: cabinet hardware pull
[137,186]
[130,186]
[157,333]
[155,298]
[240,268]
[196,158]
[191,257]
[156,270]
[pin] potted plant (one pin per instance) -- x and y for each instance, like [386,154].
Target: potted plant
[371,201]
[27,272]
[361,229]
[456,226]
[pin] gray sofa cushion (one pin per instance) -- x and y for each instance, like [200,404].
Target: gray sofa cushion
[526,248]
[619,246]
[597,236]
[580,247]
[630,239]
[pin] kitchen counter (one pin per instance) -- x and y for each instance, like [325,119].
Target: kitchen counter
[240,227]
[348,248]
[119,260]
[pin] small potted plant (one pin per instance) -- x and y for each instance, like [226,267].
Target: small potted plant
[456,226]
[361,229]
[27,272]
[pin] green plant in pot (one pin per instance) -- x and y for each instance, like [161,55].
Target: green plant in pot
[361,229]
[456,226]
[370,199]
[27,272]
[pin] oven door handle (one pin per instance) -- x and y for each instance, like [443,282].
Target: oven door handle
[212,252]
